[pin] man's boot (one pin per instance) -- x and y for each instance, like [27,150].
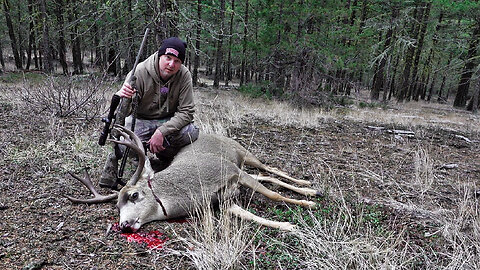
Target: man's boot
[109,173]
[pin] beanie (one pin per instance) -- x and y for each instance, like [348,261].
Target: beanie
[173,46]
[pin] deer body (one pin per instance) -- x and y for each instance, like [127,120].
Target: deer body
[203,172]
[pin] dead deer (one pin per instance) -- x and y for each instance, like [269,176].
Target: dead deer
[207,170]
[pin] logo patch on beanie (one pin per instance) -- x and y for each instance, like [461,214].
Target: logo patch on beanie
[172,51]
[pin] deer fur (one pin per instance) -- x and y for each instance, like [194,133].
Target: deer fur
[203,172]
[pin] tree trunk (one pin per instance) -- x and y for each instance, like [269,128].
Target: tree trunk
[432,56]
[46,48]
[464,84]
[230,40]
[402,94]
[196,61]
[75,41]
[363,17]
[2,61]
[380,77]
[172,18]
[11,33]
[98,62]
[423,28]
[161,22]
[31,35]
[474,100]
[61,36]
[391,91]
[219,55]
[244,45]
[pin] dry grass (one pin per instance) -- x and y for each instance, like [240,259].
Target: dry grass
[340,243]
[346,238]
[216,240]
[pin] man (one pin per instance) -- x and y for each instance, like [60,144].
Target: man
[165,109]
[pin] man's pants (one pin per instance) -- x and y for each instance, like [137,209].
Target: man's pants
[144,129]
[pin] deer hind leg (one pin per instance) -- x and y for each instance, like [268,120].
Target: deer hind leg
[250,182]
[245,215]
[303,191]
[251,160]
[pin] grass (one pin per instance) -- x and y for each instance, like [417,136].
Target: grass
[405,225]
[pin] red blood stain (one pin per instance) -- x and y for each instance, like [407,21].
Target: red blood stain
[153,239]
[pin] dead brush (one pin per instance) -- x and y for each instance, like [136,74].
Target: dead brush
[73,96]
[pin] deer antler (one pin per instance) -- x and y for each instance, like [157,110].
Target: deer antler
[98,198]
[131,140]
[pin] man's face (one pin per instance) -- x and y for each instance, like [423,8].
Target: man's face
[169,65]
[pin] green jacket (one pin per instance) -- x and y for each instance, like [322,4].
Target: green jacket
[177,103]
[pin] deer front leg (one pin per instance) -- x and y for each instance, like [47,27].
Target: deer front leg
[248,181]
[245,215]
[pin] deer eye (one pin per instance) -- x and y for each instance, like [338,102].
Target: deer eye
[134,196]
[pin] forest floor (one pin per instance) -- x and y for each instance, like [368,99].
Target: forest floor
[415,182]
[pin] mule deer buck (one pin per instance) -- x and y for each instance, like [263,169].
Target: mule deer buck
[205,171]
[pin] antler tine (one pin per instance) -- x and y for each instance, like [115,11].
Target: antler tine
[136,145]
[98,198]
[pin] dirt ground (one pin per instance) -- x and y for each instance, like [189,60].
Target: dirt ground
[40,229]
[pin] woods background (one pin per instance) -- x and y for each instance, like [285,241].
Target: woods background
[302,49]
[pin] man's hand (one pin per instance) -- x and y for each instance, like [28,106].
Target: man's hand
[126,91]
[156,142]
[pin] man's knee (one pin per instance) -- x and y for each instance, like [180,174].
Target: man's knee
[186,135]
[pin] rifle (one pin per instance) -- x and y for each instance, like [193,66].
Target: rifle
[124,103]
[111,117]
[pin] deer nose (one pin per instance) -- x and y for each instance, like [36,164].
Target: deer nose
[126,227]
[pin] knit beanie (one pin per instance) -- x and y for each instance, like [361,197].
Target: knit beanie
[173,46]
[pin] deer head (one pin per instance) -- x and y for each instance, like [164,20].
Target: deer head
[136,202]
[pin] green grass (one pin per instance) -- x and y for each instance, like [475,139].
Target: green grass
[16,77]
[263,90]
[351,221]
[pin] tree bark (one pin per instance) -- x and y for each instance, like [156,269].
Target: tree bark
[11,33]
[230,41]
[380,77]
[244,46]
[31,36]
[61,36]
[196,61]
[161,23]
[402,94]
[219,54]
[75,42]
[474,100]
[2,61]
[46,48]
[464,84]
[423,28]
